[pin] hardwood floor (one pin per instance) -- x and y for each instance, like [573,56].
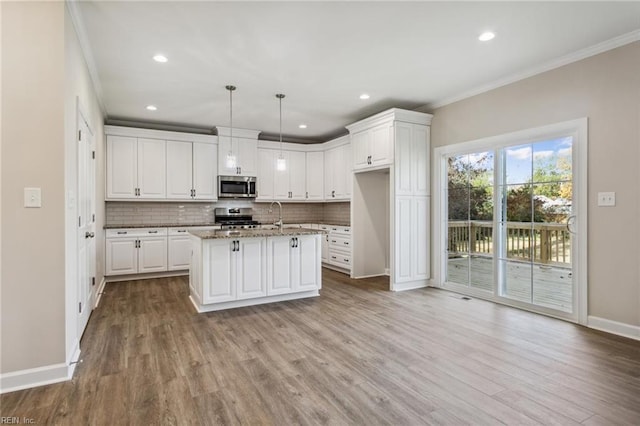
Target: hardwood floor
[358,354]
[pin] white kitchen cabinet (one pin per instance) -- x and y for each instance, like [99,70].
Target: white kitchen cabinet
[411,239]
[133,251]
[121,256]
[236,271]
[136,168]
[152,168]
[340,247]
[294,265]
[373,147]
[314,176]
[245,151]
[411,159]
[337,173]
[325,243]
[281,185]
[178,250]
[122,167]
[191,171]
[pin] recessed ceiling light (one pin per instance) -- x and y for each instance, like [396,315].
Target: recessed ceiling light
[303,126]
[364,96]
[486,36]
[160,58]
[152,107]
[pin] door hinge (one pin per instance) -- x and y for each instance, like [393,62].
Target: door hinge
[93,280]
[93,155]
[80,307]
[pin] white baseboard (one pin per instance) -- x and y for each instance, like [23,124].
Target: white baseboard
[614,327]
[251,302]
[40,376]
[130,277]
[411,285]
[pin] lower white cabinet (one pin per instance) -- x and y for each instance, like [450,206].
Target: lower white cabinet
[294,264]
[179,250]
[133,251]
[339,247]
[235,268]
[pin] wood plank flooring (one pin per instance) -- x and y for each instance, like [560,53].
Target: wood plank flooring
[357,354]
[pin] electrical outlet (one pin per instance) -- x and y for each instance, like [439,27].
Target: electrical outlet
[606,199]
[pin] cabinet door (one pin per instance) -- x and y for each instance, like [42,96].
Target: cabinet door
[380,150]
[307,263]
[205,171]
[224,147]
[279,267]
[360,143]
[121,256]
[405,239]
[347,171]
[218,271]
[266,170]
[122,167]
[420,142]
[404,167]
[152,168]
[421,256]
[325,247]
[152,254]
[314,175]
[179,253]
[342,172]
[297,179]
[251,268]
[281,177]
[247,156]
[179,170]
[329,173]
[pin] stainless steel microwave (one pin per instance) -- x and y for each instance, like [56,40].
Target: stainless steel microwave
[236,187]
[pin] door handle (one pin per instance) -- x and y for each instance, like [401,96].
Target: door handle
[89,234]
[570,221]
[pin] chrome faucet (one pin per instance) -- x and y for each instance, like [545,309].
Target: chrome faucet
[278,223]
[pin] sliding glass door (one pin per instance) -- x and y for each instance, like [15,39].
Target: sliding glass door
[510,217]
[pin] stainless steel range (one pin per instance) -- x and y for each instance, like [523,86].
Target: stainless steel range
[235,218]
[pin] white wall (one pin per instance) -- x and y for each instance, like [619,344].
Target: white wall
[606,89]
[33,263]
[43,73]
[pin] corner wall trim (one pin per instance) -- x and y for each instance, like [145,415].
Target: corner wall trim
[614,327]
[32,377]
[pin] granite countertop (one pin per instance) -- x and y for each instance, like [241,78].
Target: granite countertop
[159,225]
[189,225]
[254,233]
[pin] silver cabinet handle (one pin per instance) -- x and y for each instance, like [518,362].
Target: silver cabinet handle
[122,232]
[152,232]
[89,234]
[306,194]
[182,230]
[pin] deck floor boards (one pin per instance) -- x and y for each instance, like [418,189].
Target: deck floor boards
[358,354]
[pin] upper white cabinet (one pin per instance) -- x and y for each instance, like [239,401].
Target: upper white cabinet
[145,164]
[191,171]
[314,176]
[412,159]
[135,168]
[281,185]
[244,147]
[337,173]
[372,147]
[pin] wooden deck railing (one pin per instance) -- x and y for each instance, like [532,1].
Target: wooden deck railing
[542,242]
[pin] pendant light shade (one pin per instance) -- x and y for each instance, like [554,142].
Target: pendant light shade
[230,161]
[281,162]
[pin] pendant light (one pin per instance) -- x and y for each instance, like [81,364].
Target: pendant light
[231,158]
[281,163]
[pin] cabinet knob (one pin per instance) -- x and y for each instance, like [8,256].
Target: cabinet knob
[91,234]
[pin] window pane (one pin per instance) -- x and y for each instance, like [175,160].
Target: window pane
[519,167]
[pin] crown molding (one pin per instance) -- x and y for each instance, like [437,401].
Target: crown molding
[576,56]
[83,40]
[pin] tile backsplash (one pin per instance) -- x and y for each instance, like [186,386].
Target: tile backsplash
[150,213]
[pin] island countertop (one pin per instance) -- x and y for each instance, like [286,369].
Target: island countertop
[254,233]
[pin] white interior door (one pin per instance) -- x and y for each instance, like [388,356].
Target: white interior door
[86,222]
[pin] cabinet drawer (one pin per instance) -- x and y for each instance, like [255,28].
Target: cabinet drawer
[136,232]
[340,230]
[339,242]
[340,259]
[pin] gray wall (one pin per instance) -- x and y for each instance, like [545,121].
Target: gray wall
[606,89]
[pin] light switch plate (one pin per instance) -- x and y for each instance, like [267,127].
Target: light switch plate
[606,199]
[33,197]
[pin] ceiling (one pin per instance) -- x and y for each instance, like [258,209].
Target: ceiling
[322,56]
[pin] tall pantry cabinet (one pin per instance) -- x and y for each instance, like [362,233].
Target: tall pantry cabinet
[390,207]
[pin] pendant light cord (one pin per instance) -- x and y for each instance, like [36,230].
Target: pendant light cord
[280,96]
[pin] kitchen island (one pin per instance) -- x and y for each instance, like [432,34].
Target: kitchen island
[234,268]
